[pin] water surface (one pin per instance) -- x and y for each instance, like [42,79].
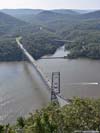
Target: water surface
[22,91]
[79,77]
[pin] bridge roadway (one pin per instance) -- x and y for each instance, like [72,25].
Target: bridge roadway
[69,41]
[61,100]
[53,57]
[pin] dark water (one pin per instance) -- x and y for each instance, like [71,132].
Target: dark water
[22,91]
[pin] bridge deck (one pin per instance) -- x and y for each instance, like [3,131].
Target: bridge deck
[61,100]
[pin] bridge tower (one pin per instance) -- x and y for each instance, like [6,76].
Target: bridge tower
[55,87]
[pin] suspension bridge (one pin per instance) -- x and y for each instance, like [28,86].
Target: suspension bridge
[53,87]
[56,96]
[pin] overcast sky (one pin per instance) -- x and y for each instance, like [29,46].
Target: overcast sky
[51,4]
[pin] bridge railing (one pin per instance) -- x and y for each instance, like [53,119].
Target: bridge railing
[43,77]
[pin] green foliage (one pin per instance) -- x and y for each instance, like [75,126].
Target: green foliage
[86,42]
[1,129]
[41,43]
[80,114]
[9,50]
[41,30]
[37,45]
[21,122]
[37,39]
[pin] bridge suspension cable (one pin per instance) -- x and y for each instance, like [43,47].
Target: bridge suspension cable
[54,92]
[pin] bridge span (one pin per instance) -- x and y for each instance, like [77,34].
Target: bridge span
[60,99]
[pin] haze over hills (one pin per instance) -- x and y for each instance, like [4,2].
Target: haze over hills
[83,11]
[66,11]
[36,11]
[29,14]
[21,11]
[23,14]
[39,15]
[36,16]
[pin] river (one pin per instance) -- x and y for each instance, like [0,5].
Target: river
[79,77]
[22,91]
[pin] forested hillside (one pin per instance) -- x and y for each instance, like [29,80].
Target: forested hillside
[36,40]
[92,15]
[23,14]
[8,24]
[86,37]
[40,28]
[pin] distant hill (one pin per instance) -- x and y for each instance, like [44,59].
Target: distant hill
[66,11]
[86,39]
[56,22]
[49,16]
[89,24]
[15,12]
[37,16]
[91,15]
[83,29]
[13,26]
[9,23]
[23,14]
[82,11]
[7,19]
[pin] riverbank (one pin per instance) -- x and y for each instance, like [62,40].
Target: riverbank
[79,77]
[36,45]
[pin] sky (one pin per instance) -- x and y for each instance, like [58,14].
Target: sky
[50,4]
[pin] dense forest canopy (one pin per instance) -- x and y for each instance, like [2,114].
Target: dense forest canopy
[40,29]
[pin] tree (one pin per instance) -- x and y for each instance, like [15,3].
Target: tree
[21,122]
